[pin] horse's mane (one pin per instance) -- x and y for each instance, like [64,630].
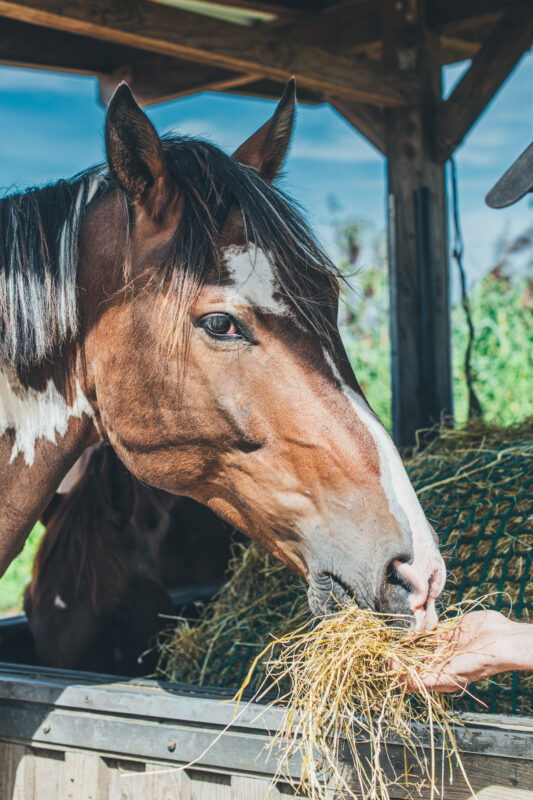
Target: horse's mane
[85,532]
[39,232]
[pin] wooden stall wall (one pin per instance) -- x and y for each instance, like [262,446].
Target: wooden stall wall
[76,736]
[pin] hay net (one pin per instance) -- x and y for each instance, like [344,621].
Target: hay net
[476,487]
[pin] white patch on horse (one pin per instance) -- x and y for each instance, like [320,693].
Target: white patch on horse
[60,603]
[397,487]
[34,415]
[253,277]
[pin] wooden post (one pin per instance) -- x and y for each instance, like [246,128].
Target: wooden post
[418,241]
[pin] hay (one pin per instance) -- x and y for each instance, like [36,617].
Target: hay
[348,698]
[476,485]
[261,599]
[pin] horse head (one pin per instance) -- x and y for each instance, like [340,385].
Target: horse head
[214,364]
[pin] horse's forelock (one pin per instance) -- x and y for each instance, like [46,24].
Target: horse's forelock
[39,232]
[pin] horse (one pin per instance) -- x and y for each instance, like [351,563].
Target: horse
[98,594]
[176,304]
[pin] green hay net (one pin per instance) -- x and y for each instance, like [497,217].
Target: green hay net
[476,487]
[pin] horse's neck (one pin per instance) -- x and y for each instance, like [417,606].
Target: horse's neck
[42,433]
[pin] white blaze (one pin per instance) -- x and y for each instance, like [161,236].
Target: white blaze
[252,274]
[400,493]
[34,415]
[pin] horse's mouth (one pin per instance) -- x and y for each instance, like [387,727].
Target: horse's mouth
[330,593]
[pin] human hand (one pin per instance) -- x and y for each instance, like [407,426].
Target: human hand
[485,643]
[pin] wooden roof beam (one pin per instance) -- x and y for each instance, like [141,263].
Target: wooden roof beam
[24,45]
[161,29]
[156,79]
[497,57]
[369,120]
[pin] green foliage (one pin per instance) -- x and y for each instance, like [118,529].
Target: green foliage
[502,313]
[18,574]
[502,358]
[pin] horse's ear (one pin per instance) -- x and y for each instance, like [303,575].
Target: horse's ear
[135,153]
[265,150]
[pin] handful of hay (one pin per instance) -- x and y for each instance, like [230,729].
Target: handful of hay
[347,698]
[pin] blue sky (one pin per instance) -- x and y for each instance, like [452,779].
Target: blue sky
[52,126]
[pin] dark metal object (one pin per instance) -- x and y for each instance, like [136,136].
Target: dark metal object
[515,183]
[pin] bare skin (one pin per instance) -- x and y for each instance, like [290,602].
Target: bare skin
[486,643]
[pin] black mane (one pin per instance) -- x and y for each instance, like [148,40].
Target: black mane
[39,232]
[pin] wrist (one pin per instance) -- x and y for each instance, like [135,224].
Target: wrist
[519,647]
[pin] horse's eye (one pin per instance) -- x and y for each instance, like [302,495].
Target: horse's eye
[221,326]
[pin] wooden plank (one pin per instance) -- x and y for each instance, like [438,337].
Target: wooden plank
[16,772]
[129,781]
[161,29]
[85,778]
[48,774]
[209,785]
[369,120]
[490,778]
[244,788]
[492,65]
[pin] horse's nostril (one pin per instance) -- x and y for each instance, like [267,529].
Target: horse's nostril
[395,578]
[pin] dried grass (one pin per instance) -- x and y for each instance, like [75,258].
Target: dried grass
[348,698]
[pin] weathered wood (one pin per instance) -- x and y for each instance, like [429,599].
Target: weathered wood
[440,13]
[490,778]
[25,45]
[209,785]
[80,759]
[161,29]
[244,788]
[155,79]
[16,772]
[147,781]
[492,65]
[369,120]
[49,776]
[85,776]
[418,251]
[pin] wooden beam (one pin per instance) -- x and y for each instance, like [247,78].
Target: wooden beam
[495,60]
[417,238]
[156,79]
[24,45]
[440,13]
[369,120]
[161,29]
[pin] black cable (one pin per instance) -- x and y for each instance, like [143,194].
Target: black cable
[474,406]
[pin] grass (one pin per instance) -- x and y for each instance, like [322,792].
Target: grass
[18,574]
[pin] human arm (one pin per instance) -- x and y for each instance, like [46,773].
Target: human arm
[484,644]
